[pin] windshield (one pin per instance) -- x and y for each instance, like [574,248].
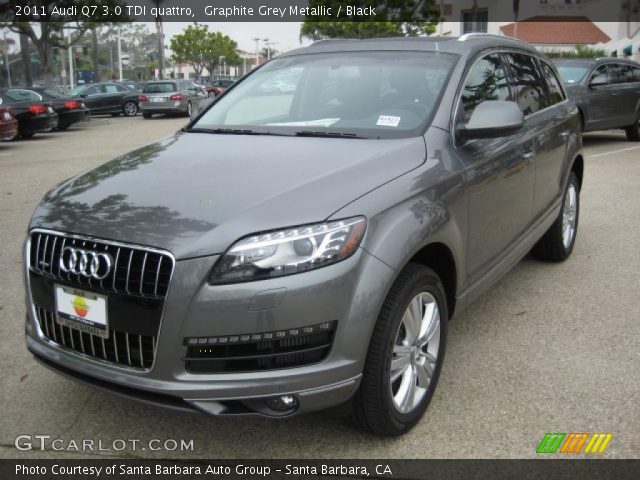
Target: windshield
[165,87]
[378,94]
[572,73]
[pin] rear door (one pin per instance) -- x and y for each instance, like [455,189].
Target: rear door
[628,95]
[499,174]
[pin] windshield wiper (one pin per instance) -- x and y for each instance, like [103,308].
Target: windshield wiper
[231,131]
[311,133]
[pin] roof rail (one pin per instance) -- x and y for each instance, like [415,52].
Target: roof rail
[467,36]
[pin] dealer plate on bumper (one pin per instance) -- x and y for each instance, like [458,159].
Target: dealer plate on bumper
[81,310]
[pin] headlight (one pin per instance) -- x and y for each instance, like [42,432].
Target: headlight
[290,251]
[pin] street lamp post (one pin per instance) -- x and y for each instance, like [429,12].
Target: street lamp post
[257,40]
[119,56]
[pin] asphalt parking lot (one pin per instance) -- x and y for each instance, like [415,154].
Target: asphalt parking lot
[551,348]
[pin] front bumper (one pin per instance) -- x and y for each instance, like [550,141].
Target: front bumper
[349,292]
[69,117]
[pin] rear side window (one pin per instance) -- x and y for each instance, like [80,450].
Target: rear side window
[556,95]
[530,94]
[487,80]
[23,95]
[626,74]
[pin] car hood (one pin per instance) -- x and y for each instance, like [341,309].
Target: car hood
[196,193]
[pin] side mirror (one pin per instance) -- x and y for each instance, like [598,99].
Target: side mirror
[598,81]
[83,95]
[492,119]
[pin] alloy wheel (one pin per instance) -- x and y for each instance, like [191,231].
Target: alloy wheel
[569,211]
[415,352]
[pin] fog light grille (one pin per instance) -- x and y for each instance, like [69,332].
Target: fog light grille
[262,351]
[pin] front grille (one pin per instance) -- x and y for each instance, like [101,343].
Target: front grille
[136,271]
[121,348]
[264,351]
[136,287]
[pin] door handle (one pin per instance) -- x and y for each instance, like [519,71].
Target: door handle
[565,133]
[528,155]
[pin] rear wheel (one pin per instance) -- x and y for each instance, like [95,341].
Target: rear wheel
[633,131]
[130,109]
[405,354]
[557,243]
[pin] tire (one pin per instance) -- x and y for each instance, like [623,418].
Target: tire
[556,245]
[115,114]
[147,115]
[189,109]
[130,109]
[633,131]
[375,405]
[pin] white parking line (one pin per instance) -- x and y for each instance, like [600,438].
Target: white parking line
[612,152]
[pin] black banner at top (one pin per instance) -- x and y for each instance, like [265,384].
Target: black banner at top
[322,10]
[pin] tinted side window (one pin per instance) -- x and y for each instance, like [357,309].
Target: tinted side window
[556,95]
[487,80]
[529,86]
[602,72]
[93,90]
[626,74]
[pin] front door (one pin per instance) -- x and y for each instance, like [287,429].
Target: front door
[499,172]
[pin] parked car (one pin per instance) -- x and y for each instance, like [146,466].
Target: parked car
[69,110]
[216,87]
[307,250]
[8,124]
[607,92]
[170,96]
[107,98]
[32,116]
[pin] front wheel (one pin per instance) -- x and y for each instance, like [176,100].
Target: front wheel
[130,109]
[405,354]
[557,243]
[633,131]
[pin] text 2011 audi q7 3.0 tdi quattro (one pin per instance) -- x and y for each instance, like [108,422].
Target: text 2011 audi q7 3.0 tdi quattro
[298,248]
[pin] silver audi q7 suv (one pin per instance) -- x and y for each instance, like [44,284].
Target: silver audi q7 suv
[305,247]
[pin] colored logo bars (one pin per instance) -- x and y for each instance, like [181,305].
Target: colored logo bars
[574,442]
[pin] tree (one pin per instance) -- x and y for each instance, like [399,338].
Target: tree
[30,23]
[220,47]
[200,48]
[391,19]
[189,47]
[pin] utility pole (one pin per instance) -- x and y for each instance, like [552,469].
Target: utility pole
[71,74]
[119,56]
[257,40]
[6,59]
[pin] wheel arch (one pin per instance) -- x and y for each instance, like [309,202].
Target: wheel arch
[577,167]
[439,258]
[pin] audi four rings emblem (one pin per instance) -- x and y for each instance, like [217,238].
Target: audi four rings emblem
[85,262]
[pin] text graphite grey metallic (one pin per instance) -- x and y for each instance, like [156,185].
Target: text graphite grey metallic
[304,241]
